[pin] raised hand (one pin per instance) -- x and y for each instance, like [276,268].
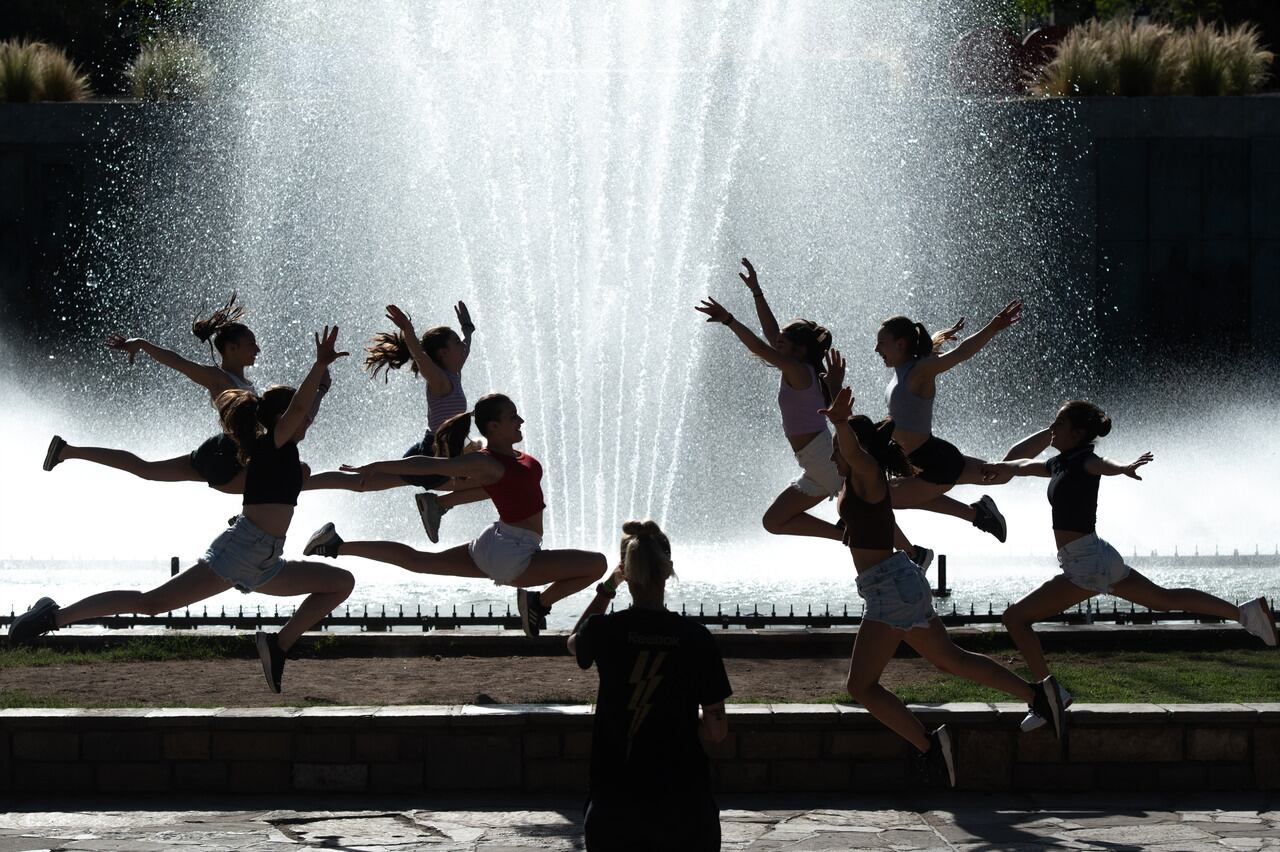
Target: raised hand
[132,345]
[715,311]
[951,333]
[400,320]
[749,278]
[841,408]
[326,344]
[1008,315]
[834,362]
[1132,469]
[464,316]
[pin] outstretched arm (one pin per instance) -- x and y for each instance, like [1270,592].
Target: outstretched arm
[597,606]
[973,344]
[1030,446]
[1001,471]
[468,327]
[438,384]
[839,412]
[797,372]
[1105,467]
[478,469]
[206,375]
[768,324]
[297,415]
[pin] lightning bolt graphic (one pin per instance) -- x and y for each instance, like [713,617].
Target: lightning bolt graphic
[644,680]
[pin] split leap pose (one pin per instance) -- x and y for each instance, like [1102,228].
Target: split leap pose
[796,351]
[510,551]
[438,357]
[266,431]
[913,355]
[662,693]
[899,605]
[1091,566]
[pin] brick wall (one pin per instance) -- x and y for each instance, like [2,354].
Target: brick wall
[543,748]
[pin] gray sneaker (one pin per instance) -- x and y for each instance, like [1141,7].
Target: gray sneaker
[430,510]
[324,541]
[40,619]
[989,519]
[1257,618]
[1033,721]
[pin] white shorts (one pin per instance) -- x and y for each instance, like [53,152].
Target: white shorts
[1092,564]
[503,552]
[820,477]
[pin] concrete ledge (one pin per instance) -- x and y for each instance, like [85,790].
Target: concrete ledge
[546,748]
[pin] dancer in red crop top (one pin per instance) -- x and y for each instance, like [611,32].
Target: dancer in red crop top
[510,551]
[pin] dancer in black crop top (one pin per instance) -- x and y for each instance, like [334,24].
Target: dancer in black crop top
[897,594]
[266,430]
[1090,565]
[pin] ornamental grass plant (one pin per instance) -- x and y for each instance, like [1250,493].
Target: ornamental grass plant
[1123,57]
[170,68]
[60,79]
[35,71]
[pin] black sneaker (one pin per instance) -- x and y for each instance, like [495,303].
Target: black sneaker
[36,621]
[533,615]
[430,510]
[1048,705]
[272,659]
[325,542]
[922,556]
[53,455]
[989,519]
[940,759]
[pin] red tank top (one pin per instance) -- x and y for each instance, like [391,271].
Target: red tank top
[518,494]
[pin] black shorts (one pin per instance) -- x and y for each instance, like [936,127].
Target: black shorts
[639,827]
[425,447]
[217,460]
[939,461]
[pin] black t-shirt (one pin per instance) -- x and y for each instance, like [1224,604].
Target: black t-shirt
[656,668]
[1073,491]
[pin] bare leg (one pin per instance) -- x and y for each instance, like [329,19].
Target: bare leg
[872,651]
[935,645]
[195,584]
[177,469]
[325,586]
[1143,592]
[461,496]
[1054,596]
[341,480]
[912,492]
[568,571]
[945,505]
[454,562]
[789,515]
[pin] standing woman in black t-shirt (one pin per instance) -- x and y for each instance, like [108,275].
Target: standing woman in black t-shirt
[266,430]
[1091,566]
[662,692]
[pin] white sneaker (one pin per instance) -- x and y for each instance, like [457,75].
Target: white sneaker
[1033,721]
[1256,617]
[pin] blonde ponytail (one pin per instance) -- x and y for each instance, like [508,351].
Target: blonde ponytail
[646,554]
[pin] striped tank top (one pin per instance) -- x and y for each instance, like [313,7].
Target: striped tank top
[441,408]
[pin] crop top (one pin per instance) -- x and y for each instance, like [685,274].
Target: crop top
[908,411]
[1073,492]
[866,525]
[274,474]
[518,494]
[800,407]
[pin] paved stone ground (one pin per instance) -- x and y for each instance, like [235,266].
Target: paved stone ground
[973,823]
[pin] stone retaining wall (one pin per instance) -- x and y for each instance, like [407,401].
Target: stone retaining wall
[545,748]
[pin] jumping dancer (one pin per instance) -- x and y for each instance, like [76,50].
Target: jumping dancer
[438,357]
[796,351]
[662,690]
[1091,566]
[266,431]
[510,551]
[899,605]
[913,355]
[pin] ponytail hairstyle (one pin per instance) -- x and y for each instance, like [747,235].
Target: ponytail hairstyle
[646,555]
[451,437]
[388,350]
[816,340]
[875,439]
[222,327]
[246,416]
[919,342]
[1088,417]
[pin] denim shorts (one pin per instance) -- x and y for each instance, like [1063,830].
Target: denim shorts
[820,477]
[1092,564]
[425,447]
[897,593]
[503,552]
[245,556]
